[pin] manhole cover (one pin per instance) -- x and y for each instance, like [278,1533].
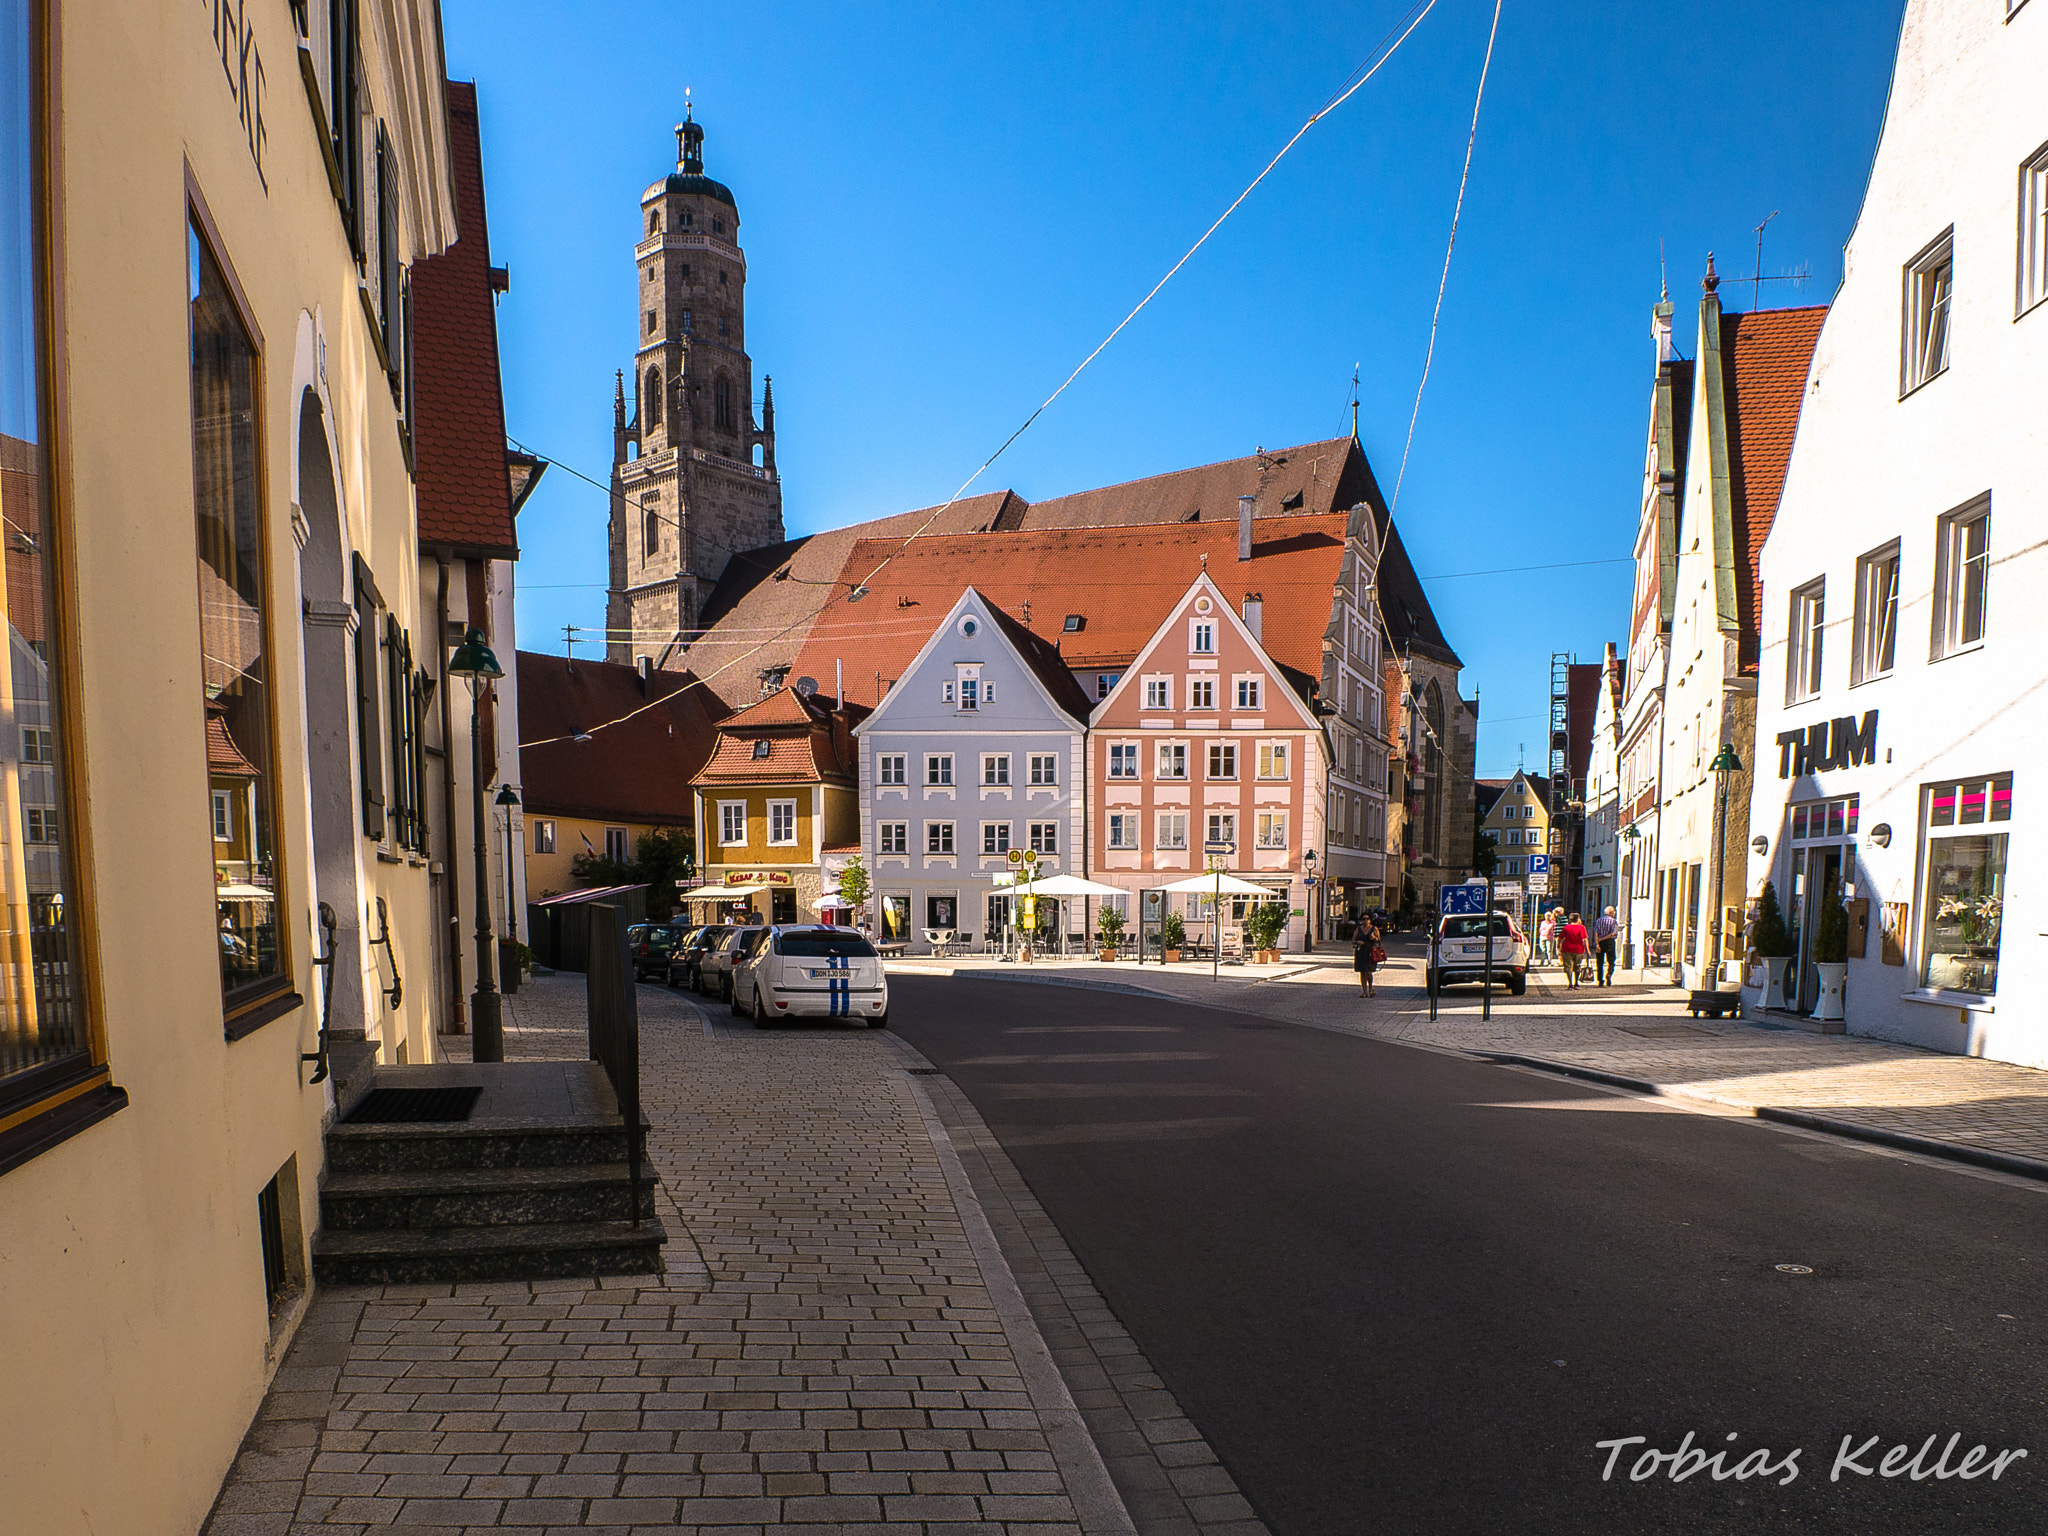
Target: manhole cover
[1795,1269]
[1662,1031]
[396,1106]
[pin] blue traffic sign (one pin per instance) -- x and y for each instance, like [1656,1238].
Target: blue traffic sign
[1539,864]
[1461,900]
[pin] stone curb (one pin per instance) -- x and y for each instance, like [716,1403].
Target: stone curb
[1903,1141]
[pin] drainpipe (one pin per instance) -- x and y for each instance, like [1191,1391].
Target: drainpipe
[442,556]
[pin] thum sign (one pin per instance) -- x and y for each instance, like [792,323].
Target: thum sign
[1841,743]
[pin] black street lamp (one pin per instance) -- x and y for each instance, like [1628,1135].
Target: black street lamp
[508,802]
[1725,763]
[474,663]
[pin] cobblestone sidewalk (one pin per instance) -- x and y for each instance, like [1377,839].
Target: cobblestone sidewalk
[825,1353]
[1984,1111]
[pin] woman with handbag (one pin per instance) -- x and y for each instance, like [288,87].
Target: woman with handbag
[1367,954]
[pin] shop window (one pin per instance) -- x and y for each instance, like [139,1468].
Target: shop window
[1930,283]
[895,918]
[1963,907]
[1803,642]
[234,635]
[1962,571]
[941,912]
[544,836]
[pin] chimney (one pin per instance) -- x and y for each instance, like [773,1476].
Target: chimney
[1255,616]
[1244,526]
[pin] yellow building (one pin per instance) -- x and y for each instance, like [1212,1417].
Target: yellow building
[211,558]
[1518,821]
[779,796]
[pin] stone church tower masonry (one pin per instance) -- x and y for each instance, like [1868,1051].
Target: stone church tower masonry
[693,476]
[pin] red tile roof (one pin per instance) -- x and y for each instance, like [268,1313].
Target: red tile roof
[807,743]
[465,492]
[638,769]
[224,759]
[1310,480]
[1764,359]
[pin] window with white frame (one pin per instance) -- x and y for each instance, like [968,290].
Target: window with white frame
[1104,681]
[37,745]
[1802,642]
[995,837]
[970,691]
[223,816]
[1272,759]
[618,844]
[732,822]
[1222,759]
[1173,760]
[1202,637]
[995,768]
[1222,828]
[892,768]
[945,693]
[892,837]
[781,823]
[1963,908]
[1173,830]
[1962,570]
[1158,693]
[1877,614]
[938,768]
[1123,760]
[1045,837]
[1123,830]
[1201,693]
[1248,692]
[544,836]
[1512,867]
[1930,283]
[1045,768]
[938,837]
[2033,272]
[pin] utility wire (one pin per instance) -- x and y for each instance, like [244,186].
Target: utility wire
[1443,281]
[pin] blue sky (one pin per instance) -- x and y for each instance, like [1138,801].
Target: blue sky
[945,210]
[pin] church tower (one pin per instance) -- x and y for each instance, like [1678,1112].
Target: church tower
[693,477]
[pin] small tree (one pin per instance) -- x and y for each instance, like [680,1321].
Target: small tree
[1173,931]
[1831,933]
[1408,896]
[1485,852]
[1263,923]
[854,885]
[1770,938]
[662,860]
[1109,925]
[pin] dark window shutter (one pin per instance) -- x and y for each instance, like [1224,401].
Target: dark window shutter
[369,742]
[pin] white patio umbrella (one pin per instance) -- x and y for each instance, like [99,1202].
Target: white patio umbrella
[1218,885]
[1066,885]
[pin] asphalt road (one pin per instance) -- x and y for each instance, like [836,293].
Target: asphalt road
[1401,1291]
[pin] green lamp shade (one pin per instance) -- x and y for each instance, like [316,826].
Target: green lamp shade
[473,658]
[507,796]
[1725,761]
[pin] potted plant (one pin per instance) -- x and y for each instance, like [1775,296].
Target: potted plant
[1262,927]
[1173,934]
[1831,954]
[1771,941]
[1109,927]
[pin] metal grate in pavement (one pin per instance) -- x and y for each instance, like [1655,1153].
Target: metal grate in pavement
[399,1106]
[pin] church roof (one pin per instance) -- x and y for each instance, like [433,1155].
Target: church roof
[695,185]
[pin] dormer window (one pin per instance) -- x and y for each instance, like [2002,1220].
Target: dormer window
[1073,624]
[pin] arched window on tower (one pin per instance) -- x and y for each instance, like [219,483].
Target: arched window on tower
[721,405]
[652,412]
[654,222]
[653,535]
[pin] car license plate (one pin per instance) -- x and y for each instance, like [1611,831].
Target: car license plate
[825,975]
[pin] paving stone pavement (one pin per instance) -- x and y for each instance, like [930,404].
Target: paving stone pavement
[1642,1033]
[830,1350]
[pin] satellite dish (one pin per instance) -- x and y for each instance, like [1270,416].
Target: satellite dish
[807,686]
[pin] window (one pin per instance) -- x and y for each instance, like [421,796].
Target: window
[889,768]
[1248,692]
[1173,760]
[1272,759]
[1930,278]
[1877,615]
[544,837]
[1104,681]
[1202,637]
[995,837]
[652,393]
[651,533]
[234,630]
[721,403]
[1173,830]
[1962,567]
[1073,624]
[781,823]
[892,837]
[1123,830]
[1964,905]
[721,325]
[1511,867]
[405,704]
[938,837]
[618,845]
[39,824]
[650,322]
[945,693]
[36,745]
[1123,760]
[1222,759]
[2033,273]
[1158,693]
[1201,693]
[689,322]
[1222,828]
[1045,837]
[1272,829]
[369,700]
[732,823]
[1045,768]
[1802,644]
[938,768]
[970,693]
[763,750]
[995,768]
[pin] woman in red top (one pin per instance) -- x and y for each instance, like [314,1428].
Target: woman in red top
[1574,944]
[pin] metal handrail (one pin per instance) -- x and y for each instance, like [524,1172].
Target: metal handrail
[326,963]
[614,1012]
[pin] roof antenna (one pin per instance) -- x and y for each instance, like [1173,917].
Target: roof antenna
[1758,301]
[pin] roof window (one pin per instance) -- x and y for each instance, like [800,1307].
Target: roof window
[761,749]
[1073,624]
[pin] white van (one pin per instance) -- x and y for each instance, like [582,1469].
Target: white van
[813,971]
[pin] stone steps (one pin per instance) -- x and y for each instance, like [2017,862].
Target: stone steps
[541,1251]
[410,1148]
[482,1197]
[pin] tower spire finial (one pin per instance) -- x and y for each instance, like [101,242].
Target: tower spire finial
[689,140]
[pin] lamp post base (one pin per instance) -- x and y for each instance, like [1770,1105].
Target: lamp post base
[487,1013]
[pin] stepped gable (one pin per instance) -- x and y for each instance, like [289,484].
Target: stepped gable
[1119,582]
[636,770]
[1765,355]
[1311,480]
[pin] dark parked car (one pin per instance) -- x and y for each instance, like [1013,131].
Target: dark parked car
[650,947]
[686,960]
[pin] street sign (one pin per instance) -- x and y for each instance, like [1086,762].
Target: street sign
[1461,900]
[1509,889]
[1016,855]
[1219,847]
[1539,867]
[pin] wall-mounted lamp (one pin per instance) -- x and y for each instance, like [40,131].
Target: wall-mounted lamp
[1759,845]
[1881,834]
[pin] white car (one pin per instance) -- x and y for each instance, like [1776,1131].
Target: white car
[811,971]
[1461,953]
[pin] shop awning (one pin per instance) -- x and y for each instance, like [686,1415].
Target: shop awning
[721,892]
[242,893]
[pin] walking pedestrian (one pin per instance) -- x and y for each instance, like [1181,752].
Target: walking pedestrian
[1366,954]
[1605,930]
[1546,937]
[1572,940]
